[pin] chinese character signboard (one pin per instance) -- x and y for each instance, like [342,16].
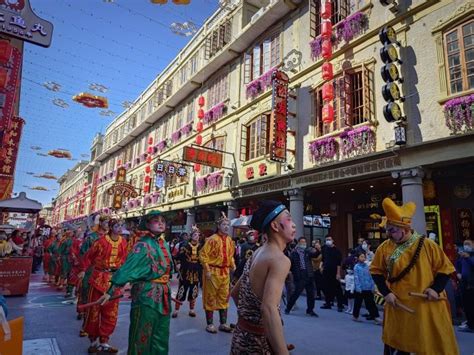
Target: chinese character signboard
[10,63]
[279,117]
[17,19]
[15,275]
[464,223]
[433,224]
[203,157]
[121,189]
[9,147]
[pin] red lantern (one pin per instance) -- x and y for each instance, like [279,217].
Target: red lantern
[147,169]
[146,189]
[326,49]
[119,162]
[200,113]
[328,92]
[326,10]
[150,140]
[147,179]
[328,113]
[198,139]
[201,101]
[328,73]
[326,29]
[197,168]
[148,159]
[150,150]
[199,126]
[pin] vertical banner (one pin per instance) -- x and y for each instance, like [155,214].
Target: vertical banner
[464,223]
[10,63]
[279,116]
[448,234]
[8,154]
[433,223]
[95,181]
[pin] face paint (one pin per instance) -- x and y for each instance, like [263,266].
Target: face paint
[117,228]
[224,227]
[157,225]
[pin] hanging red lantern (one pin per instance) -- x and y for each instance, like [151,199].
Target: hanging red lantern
[326,10]
[328,73]
[148,159]
[201,101]
[147,179]
[197,168]
[200,113]
[326,29]
[199,126]
[328,91]
[146,189]
[150,140]
[198,139]
[326,48]
[328,113]
[147,169]
[150,150]
[119,162]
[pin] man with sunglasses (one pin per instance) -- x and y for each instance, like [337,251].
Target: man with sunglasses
[410,263]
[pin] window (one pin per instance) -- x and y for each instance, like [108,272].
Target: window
[261,58]
[150,106]
[353,101]
[179,120]
[218,38]
[190,112]
[340,10]
[459,49]
[215,143]
[255,138]
[193,64]
[183,75]
[218,91]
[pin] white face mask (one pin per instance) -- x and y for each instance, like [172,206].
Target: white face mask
[329,243]
[365,246]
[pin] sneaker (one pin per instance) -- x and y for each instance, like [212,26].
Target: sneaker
[325,306]
[192,313]
[377,321]
[312,314]
[106,349]
[225,328]
[92,349]
[83,333]
[211,329]
[348,311]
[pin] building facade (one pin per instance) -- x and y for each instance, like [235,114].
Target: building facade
[335,174]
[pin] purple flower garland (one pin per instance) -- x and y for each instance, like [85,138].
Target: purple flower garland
[175,136]
[458,113]
[323,149]
[214,180]
[346,30]
[259,85]
[201,184]
[186,129]
[161,146]
[357,140]
[215,113]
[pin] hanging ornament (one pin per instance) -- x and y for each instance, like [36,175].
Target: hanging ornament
[146,189]
[48,176]
[127,104]
[107,113]
[200,113]
[185,29]
[98,87]
[91,101]
[35,147]
[150,140]
[326,29]
[197,168]
[328,73]
[39,188]
[201,101]
[328,113]
[61,103]
[150,150]
[147,169]
[148,159]
[326,50]
[60,154]
[198,139]
[326,10]
[147,179]
[52,86]
[328,91]
[199,126]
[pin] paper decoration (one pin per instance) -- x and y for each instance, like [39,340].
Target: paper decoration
[98,87]
[61,103]
[60,154]
[91,101]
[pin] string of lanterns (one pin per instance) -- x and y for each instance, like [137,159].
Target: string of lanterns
[327,68]
[146,187]
[199,127]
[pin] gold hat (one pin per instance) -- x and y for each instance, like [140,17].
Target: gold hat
[399,216]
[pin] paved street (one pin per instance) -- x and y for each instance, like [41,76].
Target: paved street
[49,318]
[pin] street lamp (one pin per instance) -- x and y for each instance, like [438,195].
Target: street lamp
[400,134]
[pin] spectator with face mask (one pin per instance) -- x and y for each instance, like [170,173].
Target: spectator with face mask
[465,274]
[246,251]
[332,259]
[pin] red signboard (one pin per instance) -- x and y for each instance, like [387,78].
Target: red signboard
[9,90]
[6,187]
[15,275]
[95,181]
[448,237]
[202,156]
[279,117]
[10,145]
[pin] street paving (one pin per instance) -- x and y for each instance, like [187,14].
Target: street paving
[50,321]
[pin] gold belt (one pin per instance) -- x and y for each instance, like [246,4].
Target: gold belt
[162,280]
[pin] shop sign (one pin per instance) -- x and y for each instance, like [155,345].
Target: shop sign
[279,116]
[121,189]
[180,192]
[464,222]
[95,181]
[15,275]
[159,181]
[17,19]
[10,145]
[203,157]
[448,237]
[6,188]
[262,169]
[249,173]
[170,169]
[433,223]
[9,70]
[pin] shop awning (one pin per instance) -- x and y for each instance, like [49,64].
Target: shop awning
[20,204]
[242,221]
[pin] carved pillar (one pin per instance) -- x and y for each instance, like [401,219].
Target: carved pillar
[412,190]
[232,212]
[296,197]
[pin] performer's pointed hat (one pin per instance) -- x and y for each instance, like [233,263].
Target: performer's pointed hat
[400,216]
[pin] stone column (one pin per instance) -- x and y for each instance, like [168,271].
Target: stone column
[296,197]
[412,190]
[232,212]
[190,219]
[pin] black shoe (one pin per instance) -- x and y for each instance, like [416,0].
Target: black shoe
[325,306]
[366,315]
[339,309]
[312,314]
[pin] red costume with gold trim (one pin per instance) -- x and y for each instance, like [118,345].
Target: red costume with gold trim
[105,257]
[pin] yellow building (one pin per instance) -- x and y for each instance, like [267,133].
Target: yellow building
[335,174]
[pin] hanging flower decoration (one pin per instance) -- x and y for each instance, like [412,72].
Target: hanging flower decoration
[98,87]
[185,29]
[52,86]
[35,147]
[323,149]
[201,184]
[259,85]
[61,103]
[127,104]
[187,129]
[215,113]
[175,136]
[60,154]
[107,113]
[354,141]
[48,176]
[91,101]
[459,114]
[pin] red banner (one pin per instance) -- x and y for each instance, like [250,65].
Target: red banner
[6,187]
[95,181]
[10,145]
[15,275]
[279,117]
[9,75]
[448,235]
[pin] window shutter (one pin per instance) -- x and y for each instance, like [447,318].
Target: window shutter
[256,62]
[314,18]
[275,51]
[207,53]
[267,55]
[215,42]
[222,42]
[243,143]
[368,80]
[225,87]
[346,100]
[247,68]
[228,32]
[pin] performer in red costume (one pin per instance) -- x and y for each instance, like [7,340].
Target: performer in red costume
[105,256]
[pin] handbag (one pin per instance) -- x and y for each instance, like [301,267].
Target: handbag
[12,344]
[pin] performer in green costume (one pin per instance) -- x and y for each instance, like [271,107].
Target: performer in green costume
[147,268]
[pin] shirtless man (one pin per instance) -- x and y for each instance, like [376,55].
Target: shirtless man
[258,292]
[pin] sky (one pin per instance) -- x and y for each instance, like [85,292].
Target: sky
[121,45]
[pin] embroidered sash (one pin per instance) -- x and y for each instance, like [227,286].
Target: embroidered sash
[399,251]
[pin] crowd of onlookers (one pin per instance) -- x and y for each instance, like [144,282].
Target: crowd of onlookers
[19,243]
